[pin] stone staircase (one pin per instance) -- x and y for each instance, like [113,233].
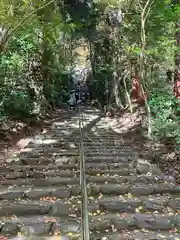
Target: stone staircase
[128,197]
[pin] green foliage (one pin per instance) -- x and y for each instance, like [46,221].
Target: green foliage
[18,104]
[165,110]
[34,61]
[103,84]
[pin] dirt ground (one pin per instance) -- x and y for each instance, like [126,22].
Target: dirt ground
[132,129]
[16,135]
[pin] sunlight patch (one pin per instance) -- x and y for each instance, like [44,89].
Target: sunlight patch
[49,141]
[59,123]
[27,150]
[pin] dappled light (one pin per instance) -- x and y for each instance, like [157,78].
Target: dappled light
[89,120]
[42,185]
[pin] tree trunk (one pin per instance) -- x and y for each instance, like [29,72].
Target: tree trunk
[92,59]
[3,38]
[177,63]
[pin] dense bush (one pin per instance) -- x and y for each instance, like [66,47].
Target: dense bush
[165,110]
[18,104]
[33,75]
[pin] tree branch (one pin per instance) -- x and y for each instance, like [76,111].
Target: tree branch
[149,8]
[10,32]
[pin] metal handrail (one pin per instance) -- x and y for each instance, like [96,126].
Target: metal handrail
[84,198]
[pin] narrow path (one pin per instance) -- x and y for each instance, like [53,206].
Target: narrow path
[128,197]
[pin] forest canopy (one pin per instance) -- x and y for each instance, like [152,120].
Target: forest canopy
[133,53]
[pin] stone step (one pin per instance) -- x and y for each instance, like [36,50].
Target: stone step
[40,182]
[102,166]
[108,135]
[92,175]
[61,140]
[51,207]
[28,193]
[110,159]
[98,133]
[66,133]
[123,194]
[44,149]
[57,160]
[40,227]
[74,146]
[29,208]
[41,167]
[102,141]
[46,171]
[56,177]
[90,138]
[112,173]
[108,154]
[69,121]
[96,145]
[53,144]
[136,172]
[126,179]
[47,152]
[153,222]
[41,173]
[75,151]
[91,141]
[137,235]
[107,148]
[95,172]
[135,189]
[87,153]
[59,137]
[131,204]
[108,225]
[112,187]
[93,167]
[72,159]
[53,133]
